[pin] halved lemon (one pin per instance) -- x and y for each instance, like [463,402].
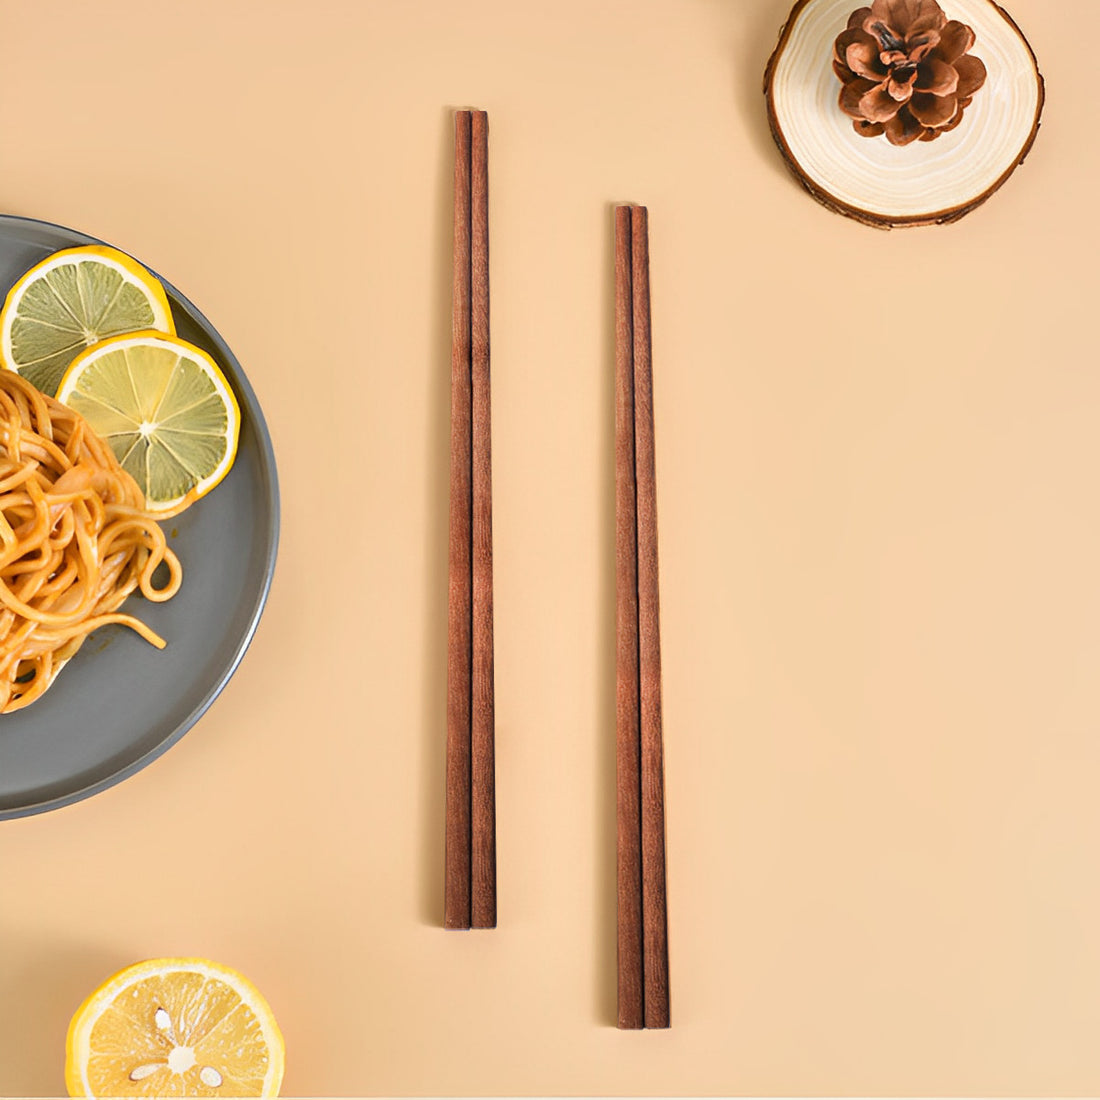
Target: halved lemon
[174,1027]
[164,407]
[72,300]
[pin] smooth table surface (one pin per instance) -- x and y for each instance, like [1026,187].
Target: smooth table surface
[879,535]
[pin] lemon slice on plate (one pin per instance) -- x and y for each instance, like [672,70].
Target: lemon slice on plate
[174,1027]
[164,407]
[74,299]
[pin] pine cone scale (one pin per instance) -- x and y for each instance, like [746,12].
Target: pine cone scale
[933,111]
[855,20]
[937,77]
[955,39]
[972,76]
[863,59]
[878,105]
[851,95]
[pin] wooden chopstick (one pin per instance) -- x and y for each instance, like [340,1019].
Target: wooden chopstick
[642,915]
[627,699]
[456,893]
[470,842]
[483,795]
[654,904]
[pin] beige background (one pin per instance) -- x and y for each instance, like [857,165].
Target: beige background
[880,535]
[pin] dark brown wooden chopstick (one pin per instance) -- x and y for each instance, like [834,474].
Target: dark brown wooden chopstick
[654,905]
[456,900]
[483,796]
[627,699]
[643,922]
[470,850]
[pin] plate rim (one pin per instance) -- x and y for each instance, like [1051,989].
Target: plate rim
[269,468]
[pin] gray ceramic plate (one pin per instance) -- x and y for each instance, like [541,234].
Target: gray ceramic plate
[120,703]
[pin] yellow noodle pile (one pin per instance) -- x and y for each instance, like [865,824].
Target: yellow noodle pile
[75,540]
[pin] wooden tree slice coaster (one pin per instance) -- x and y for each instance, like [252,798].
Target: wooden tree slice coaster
[923,183]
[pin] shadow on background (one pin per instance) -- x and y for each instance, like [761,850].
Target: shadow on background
[434,725]
[606,817]
[755,32]
[41,986]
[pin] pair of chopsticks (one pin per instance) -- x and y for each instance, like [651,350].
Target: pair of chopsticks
[642,909]
[470,889]
[470,859]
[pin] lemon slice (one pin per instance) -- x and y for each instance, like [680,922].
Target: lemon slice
[164,407]
[74,299]
[174,1027]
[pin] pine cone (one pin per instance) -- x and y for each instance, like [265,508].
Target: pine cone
[906,70]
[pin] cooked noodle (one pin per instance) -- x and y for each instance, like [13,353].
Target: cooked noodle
[75,541]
